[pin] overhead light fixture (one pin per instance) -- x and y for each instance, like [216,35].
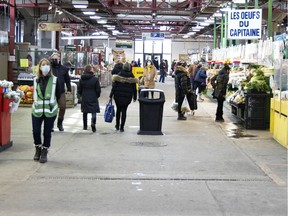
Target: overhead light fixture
[153,14]
[89,13]
[85,37]
[102,21]
[205,24]
[153,24]
[185,36]
[80,6]
[95,17]
[162,28]
[79,2]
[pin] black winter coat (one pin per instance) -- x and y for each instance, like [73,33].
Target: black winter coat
[124,88]
[182,83]
[90,90]
[219,83]
[62,74]
[117,68]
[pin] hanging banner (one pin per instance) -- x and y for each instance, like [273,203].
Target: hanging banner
[43,26]
[124,43]
[244,24]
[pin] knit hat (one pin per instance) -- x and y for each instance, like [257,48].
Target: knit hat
[127,66]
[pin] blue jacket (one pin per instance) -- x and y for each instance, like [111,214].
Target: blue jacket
[201,76]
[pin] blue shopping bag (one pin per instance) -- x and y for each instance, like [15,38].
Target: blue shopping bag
[109,112]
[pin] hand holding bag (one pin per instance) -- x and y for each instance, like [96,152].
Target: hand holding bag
[109,112]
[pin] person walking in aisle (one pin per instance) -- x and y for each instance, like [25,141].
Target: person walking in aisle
[200,82]
[219,83]
[62,73]
[182,87]
[163,69]
[90,90]
[44,109]
[123,90]
[117,67]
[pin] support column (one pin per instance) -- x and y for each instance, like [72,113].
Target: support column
[222,30]
[215,34]
[270,5]
[53,40]
[11,39]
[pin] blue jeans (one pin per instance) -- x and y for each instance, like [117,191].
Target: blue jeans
[48,126]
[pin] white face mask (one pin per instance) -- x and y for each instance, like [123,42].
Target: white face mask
[148,63]
[45,69]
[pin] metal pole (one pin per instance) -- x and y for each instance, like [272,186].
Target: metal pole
[270,4]
[11,39]
[215,35]
[222,30]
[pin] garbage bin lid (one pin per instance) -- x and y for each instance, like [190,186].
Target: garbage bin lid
[154,90]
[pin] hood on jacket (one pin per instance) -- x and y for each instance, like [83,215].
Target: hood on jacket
[123,79]
[87,76]
[180,69]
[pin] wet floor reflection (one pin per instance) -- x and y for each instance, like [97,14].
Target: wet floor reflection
[237,131]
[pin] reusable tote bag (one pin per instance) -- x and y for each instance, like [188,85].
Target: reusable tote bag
[109,112]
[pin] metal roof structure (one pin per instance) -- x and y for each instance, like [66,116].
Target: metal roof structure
[131,18]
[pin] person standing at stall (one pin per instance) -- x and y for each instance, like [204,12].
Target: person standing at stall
[62,73]
[44,109]
[123,90]
[90,90]
[163,69]
[219,83]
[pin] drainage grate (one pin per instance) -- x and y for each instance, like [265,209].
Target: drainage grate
[149,144]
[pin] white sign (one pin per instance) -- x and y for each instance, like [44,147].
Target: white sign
[244,24]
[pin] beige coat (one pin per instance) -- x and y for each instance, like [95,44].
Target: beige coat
[149,77]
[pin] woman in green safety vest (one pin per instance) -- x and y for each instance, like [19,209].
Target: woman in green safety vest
[44,109]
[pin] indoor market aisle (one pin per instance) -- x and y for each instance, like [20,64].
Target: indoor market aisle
[199,167]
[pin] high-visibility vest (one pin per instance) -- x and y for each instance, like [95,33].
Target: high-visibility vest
[46,105]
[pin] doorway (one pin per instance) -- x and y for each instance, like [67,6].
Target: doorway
[153,56]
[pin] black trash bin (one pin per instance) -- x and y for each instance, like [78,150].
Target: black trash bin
[151,111]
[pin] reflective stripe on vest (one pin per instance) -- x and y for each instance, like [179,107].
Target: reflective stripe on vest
[46,105]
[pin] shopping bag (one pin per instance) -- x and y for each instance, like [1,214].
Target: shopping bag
[192,100]
[174,106]
[185,105]
[109,112]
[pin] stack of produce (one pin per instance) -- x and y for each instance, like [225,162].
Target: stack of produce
[28,94]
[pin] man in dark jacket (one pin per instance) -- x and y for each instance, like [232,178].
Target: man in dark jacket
[163,69]
[90,90]
[62,74]
[123,90]
[219,83]
[182,87]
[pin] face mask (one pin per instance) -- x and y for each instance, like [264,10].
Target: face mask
[45,69]
[54,62]
[148,63]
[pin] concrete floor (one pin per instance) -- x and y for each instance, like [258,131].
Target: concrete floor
[199,167]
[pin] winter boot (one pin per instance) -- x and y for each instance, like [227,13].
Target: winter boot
[84,123]
[43,156]
[181,116]
[122,128]
[93,125]
[60,124]
[37,152]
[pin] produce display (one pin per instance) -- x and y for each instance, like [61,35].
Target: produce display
[28,94]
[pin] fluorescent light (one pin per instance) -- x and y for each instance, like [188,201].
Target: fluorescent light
[217,14]
[190,33]
[96,33]
[185,36]
[102,21]
[95,17]
[82,2]
[89,13]
[80,6]
[205,24]
[85,37]
[209,21]
[162,28]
